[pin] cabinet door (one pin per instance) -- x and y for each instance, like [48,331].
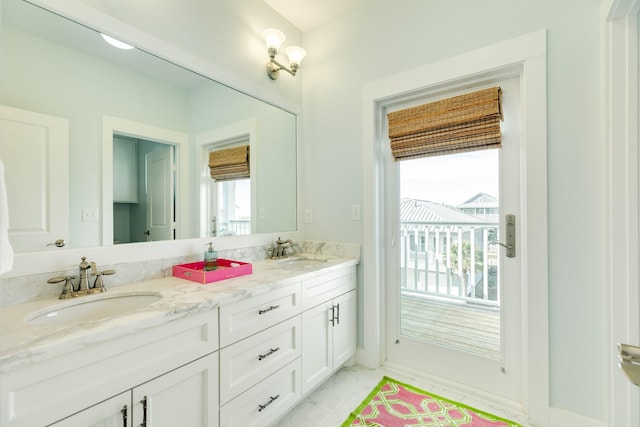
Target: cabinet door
[344,330]
[114,412]
[317,345]
[185,397]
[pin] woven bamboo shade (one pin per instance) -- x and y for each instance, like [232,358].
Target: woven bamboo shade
[230,163]
[462,123]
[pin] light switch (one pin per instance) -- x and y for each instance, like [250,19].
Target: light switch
[89,215]
[355,212]
[308,216]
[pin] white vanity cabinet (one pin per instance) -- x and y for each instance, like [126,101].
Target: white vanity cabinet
[183,397]
[260,357]
[328,325]
[175,365]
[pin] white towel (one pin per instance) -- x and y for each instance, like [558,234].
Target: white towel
[6,251]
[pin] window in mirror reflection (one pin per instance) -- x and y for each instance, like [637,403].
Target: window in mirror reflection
[143,190]
[230,188]
[234,208]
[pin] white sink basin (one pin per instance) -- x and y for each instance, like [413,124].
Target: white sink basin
[82,310]
[301,263]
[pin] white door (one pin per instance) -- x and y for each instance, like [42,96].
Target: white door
[455,320]
[37,177]
[160,194]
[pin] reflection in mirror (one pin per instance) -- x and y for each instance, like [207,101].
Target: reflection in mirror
[105,106]
[229,204]
[142,167]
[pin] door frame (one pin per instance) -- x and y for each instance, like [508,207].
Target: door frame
[115,125]
[527,54]
[620,249]
[500,380]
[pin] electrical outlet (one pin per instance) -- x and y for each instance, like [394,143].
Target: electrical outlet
[308,216]
[89,215]
[355,212]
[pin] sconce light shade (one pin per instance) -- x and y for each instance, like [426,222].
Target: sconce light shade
[273,38]
[295,54]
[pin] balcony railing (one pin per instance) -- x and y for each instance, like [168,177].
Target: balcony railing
[235,228]
[451,261]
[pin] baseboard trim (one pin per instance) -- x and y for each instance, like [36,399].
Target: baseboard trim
[563,418]
[499,401]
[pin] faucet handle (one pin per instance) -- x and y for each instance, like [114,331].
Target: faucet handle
[98,284]
[68,290]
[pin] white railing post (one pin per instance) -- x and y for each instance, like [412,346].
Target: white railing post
[416,265]
[485,263]
[462,289]
[472,260]
[448,260]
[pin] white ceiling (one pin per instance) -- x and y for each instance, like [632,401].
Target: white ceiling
[306,14]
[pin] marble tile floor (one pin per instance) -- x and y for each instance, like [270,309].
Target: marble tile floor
[330,404]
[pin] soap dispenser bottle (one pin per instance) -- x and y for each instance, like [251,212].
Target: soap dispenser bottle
[210,258]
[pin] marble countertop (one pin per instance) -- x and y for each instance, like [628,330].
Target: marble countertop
[23,343]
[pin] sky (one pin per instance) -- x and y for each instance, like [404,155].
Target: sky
[451,179]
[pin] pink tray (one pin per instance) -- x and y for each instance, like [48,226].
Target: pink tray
[194,271]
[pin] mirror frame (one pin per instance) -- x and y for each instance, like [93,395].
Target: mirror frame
[52,261]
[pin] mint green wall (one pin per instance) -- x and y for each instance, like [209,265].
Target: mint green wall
[385,37]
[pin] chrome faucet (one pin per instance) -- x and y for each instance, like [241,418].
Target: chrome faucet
[84,288]
[279,248]
[83,282]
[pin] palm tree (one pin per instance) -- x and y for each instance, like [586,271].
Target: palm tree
[466,261]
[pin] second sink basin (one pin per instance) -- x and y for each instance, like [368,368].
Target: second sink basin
[301,263]
[81,309]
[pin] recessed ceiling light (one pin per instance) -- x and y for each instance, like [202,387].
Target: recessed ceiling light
[116,43]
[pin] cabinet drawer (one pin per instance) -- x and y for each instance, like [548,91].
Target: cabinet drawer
[266,402]
[244,318]
[330,285]
[251,360]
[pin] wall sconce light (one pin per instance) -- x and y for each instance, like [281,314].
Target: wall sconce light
[274,39]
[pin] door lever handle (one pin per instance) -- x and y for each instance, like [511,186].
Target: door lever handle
[510,229]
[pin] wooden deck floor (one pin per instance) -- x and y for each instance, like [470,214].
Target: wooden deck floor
[462,326]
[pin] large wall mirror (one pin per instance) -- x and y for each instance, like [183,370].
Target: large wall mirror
[106,146]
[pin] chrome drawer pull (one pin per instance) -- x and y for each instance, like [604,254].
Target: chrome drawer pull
[124,416]
[273,307]
[271,351]
[271,400]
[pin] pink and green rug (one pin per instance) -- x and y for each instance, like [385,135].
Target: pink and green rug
[395,404]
